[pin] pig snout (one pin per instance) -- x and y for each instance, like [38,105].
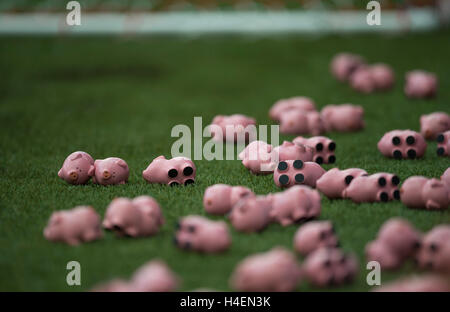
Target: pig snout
[73,175]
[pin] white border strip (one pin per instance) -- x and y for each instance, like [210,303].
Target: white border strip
[218,22]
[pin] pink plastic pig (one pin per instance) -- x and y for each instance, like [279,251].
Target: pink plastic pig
[289,150]
[251,213]
[382,75]
[379,187]
[298,203]
[298,103]
[135,218]
[397,241]
[344,64]
[427,283]
[420,192]
[314,235]
[291,172]
[333,182]
[77,168]
[219,199]
[362,80]
[343,118]
[274,270]
[175,171]
[443,146]
[111,171]
[323,148]
[329,267]
[433,124]
[434,253]
[301,122]
[232,128]
[446,177]
[75,226]
[402,144]
[257,157]
[203,235]
[420,84]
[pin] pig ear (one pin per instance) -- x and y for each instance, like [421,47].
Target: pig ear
[160,157]
[122,163]
[431,204]
[56,218]
[91,170]
[60,173]
[96,162]
[76,156]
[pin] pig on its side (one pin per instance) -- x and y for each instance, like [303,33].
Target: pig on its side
[77,168]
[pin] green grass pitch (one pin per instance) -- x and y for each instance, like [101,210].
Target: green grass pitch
[121,97]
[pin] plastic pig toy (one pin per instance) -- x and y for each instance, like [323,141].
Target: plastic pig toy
[251,214]
[301,122]
[344,64]
[343,118]
[236,125]
[333,182]
[203,235]
[111,171]
[299,103]
[275,270]
[382,75]
[329,267]
[289,150]
[380,187]
[427,283]
[362,80]
[314,235]
[78,168]
[219,199]
[175,171]
[75,226]
[434,253]
[420,192]
[291,172]
[402,144]
[420,84]
[257,157]
[446,177]
[135,218]
[443,147]
[323,148]
[433,124]
[397,241]
[296,204]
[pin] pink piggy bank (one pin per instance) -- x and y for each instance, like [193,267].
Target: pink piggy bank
[111,171]
[291,172]
[397,241]
[433,124]
[420,84]
[362,80]
[134,218]
[420,192]
[323,148]
[427,283]
[251,214]
[343,118]
[219,199]
[257,157]
[77,168]
[382,75]
[314,235]
[232,128]
[175,171]
[75,226]
[327,267]
[379,187]
[402,144]
[446,177]
[299,103]
[443,147]
[274,270]
[434,253]
[344,64]
[333,182]
[296,204]
[289,150]
[203,235]
[301,122]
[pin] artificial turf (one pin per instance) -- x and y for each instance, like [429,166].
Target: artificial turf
[120,96]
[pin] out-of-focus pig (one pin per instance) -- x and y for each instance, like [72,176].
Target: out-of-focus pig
[379,187]
[362,80]
[333,182]
[446,177]
[344,64]
[292,172]
[443,146]
[402,144]
[289,150]
[426,283]
[219,199]
[314,235]
[200,234]
[420,192]
[434,253]
[175,171]
[323,148]
[343,118]
[274,270]
[301,122]
[232,128]
[433,124]
[74,226]
[382,75]
[298,103]
[257,157]
[251,213]
[77,168]
[111,171]
[420,84]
